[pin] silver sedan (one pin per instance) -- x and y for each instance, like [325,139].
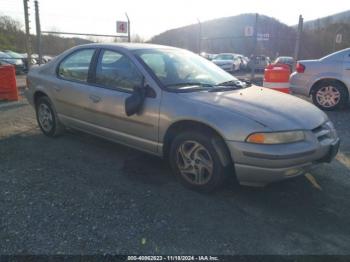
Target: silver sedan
[326,80]
[174,104]
[227,61]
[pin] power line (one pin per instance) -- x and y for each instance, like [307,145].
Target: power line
[83,34]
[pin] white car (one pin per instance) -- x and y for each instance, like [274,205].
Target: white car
[227,61]
[326,80]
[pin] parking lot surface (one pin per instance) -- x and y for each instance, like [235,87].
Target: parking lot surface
[78,194]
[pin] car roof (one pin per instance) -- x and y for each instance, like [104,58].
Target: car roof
[227,54]
[285,57]
[4,55]
[232,54]
[336,54]
[129,46]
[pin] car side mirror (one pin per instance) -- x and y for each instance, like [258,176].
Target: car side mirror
[134,103]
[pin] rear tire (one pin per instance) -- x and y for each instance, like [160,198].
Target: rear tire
[196,163]
[47,118]
[330,95]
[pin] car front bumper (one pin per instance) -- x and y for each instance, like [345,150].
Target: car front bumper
[259,165]
[227,67]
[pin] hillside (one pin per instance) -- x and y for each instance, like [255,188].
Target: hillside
[227,35]
[12,37]
[319,35]
[343,18]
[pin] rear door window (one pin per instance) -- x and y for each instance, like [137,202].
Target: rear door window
[76,66]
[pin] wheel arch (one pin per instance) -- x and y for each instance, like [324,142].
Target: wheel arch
[37,95]
[194,125]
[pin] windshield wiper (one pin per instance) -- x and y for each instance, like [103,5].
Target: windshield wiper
[236,83]
[224,86]
[230,85]
[190,84]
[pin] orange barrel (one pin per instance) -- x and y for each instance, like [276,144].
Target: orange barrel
[8,86]
[276,76]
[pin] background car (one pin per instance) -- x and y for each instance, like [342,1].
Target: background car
[208,56]
[259,62]
[244,62]
[47,58]
[3,62]
[228,61]
[19,56]
[14,60]
[285,60]
[326,80]
[33,60]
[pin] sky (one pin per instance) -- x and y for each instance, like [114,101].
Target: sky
[152,17]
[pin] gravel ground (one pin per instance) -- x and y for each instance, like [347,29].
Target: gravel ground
[78,194]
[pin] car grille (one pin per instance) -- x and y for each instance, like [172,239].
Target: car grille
[325,133]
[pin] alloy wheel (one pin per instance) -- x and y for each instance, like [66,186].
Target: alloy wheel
[328,96]
[45,117]
[194,162]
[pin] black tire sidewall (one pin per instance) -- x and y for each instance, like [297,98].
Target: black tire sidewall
[341,89]
[46,101]
[219,171]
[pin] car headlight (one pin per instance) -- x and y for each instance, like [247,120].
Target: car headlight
[276,137]
[19,62]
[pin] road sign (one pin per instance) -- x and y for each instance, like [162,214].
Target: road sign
[263,37]
[122,27]
[248,31]
[339,38]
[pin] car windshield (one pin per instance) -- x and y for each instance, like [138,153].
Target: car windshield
[224,57]
[284,60]
[181,69]
[13,54]
[4,55]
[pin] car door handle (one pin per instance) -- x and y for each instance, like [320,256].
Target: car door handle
[94,98]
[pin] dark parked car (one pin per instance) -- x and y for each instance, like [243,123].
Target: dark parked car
[259,62]
[15,59]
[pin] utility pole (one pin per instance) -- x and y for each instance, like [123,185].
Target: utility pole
[38,32]
[199,36]
[127,17]
[255,42]
[28,42]
[297,43]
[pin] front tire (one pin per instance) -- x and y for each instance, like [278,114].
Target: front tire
[196,163]
[330,95]
[47,118]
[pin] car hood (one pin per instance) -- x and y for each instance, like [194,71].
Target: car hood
[222,62]
[273,109]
